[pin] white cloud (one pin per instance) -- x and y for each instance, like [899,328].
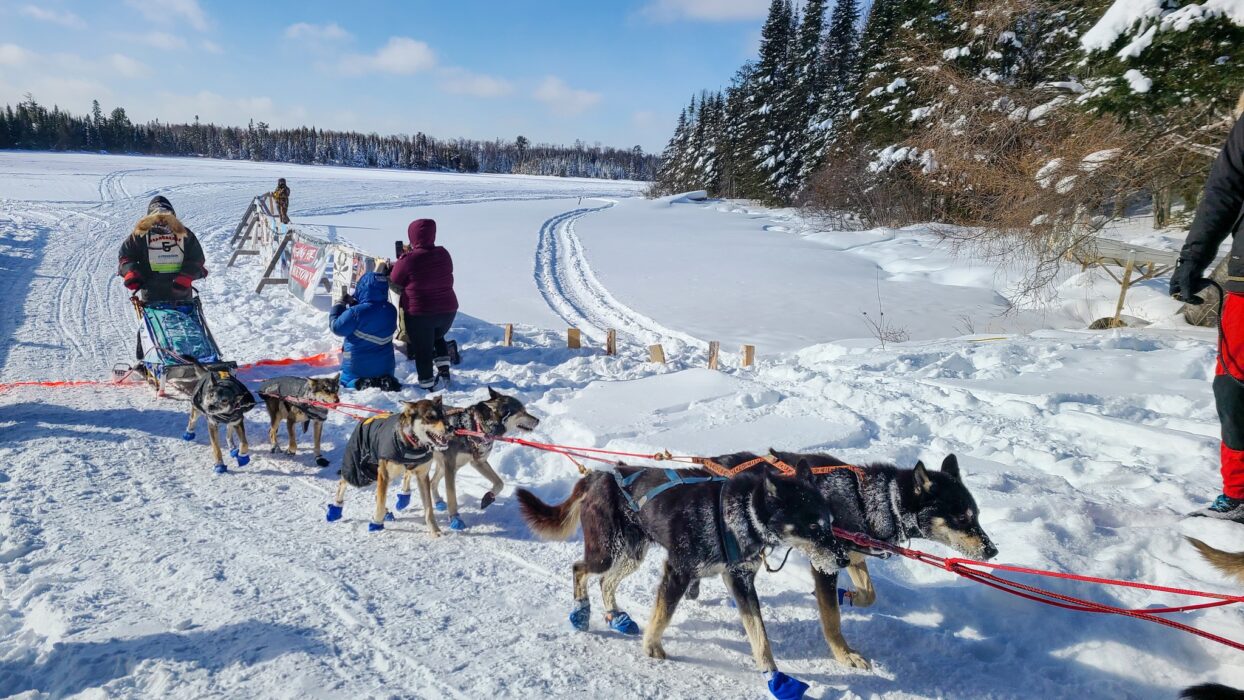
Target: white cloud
[127,67]
[13,55]
[64,18]
[319,32]
[564,100]
[705,10]
[211,46]
[167,11]
[401,56]
[459,81]
[157,40]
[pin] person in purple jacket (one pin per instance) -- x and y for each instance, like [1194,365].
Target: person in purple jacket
[425,275]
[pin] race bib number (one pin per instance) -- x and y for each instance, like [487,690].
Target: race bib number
[164,251]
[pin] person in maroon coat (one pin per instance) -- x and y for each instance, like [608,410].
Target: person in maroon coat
[425,276]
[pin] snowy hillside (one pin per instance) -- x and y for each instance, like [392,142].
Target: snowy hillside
[127,568]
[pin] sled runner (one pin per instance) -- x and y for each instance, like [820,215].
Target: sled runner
[175,331]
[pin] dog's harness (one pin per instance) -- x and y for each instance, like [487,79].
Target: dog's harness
[729,543]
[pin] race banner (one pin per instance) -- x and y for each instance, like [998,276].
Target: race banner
[308,259]
[348,266]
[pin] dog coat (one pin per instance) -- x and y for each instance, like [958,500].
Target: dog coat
[373,440]
[296,388]
[243,399]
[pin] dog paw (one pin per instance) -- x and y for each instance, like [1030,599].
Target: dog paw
[276,450]
[334,513]
[403,501]
[321,461]
[655,650]
[220,469]
[852,659]
[436,532]
[455,523]
[188,435]
[440,505]
[488,499]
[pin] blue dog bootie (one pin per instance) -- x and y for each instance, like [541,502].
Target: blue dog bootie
[621,622]
[334,513]
[783,687]
[389,516]
[220,469]
[233,452]
[440,505]
[188,435]
[375,527]
[403,501]
[580,614]
[243,460]
[455,523]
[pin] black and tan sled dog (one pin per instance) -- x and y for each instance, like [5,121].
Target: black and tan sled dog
[1231,564]
[223,400]
[286,399]
[708,525]
[387,447]
[886,503]
[495,417]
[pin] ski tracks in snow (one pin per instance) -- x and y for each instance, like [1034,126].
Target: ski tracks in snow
[565,278]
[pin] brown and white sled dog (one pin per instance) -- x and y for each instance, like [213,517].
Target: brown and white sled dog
[707,526]
[223,400]
[384,448]
[885,503]
[1231,564]
[286,400]
[495,417]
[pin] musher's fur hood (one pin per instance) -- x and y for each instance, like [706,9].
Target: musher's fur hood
[169,221]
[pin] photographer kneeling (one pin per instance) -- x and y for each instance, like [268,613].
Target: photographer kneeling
[368,322]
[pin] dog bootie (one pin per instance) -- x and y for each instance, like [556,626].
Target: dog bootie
[621,622]
[321,461]
[403,501]
[188,435]
[488,499]
[375,527]
[243,460]
[389,517]
[784,687]
[220,469]
[579,616]
[233,452]
[455,523]
[440,506]
[334,513]
[845,596]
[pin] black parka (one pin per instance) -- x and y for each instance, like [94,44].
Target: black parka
[1218,214]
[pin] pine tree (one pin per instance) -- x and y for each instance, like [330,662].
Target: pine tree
[769,122]
[837,81]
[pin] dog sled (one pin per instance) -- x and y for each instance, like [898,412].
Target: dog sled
[175,333]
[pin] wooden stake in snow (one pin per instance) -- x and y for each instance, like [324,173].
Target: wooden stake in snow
[749,355]
[509,335]
[611,342]
[714,349]
[572,339]
[656,354]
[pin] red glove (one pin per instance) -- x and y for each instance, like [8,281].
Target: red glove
[182,282]
[132,281]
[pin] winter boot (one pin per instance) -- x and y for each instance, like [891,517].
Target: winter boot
[1223,508]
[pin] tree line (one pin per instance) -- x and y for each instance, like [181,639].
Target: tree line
[30,125]
[1032,121]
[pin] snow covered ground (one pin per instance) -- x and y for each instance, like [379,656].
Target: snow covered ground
[128,569]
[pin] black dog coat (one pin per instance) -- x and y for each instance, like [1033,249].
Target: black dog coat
[378,439]
[293,388]
[243,400]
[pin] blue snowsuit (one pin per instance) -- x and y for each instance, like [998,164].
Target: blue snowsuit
[368,327]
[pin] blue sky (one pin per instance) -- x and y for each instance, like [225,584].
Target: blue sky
[616,72]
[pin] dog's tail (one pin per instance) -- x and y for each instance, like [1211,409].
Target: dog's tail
[557,522]
[1211,691]
[1229,563]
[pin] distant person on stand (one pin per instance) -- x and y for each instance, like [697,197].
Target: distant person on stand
[1217,216]
[425,275]
[281,196]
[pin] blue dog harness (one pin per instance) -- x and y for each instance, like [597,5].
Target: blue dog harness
[729,543]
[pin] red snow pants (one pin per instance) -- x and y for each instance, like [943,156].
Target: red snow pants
[1229,395]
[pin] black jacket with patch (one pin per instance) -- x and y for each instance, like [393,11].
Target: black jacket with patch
[1218,214]
[292,387]
[161,258]
[378,439]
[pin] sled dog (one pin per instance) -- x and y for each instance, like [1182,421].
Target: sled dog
[495,417]
[223,400]
[284,398]
[887,504]
[1231,564]
[384,448]
[708,525]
